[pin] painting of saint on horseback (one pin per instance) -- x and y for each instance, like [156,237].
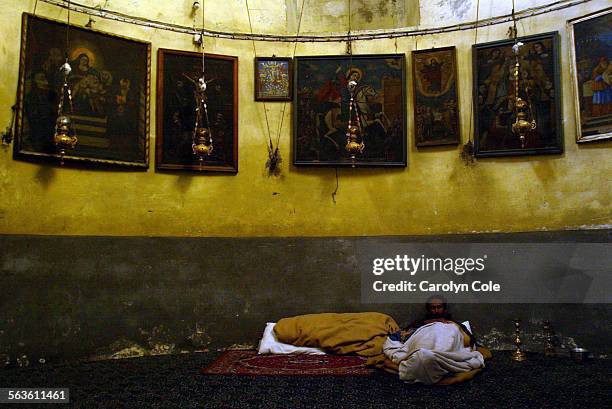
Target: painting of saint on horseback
[323,89]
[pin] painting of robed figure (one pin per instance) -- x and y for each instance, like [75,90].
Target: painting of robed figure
[109,85]
[591,62]
[436,110]
[322,109]
[495,93]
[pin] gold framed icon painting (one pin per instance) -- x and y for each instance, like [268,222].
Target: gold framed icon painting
[178,73]
[436,110]
[273,79]
[591,63]
[495,95]
[110,84]
[322,110]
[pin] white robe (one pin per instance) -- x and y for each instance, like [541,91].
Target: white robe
[431,352]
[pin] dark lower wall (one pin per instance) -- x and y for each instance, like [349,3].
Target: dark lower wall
[65,298]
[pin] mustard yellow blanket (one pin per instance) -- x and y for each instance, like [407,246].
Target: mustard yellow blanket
[362,333]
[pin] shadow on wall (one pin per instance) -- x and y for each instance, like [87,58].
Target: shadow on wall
[74,298]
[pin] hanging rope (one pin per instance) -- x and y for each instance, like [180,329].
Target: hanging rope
[270,143]
[299,27]
[274,158]
[204,65]
[349,45]
[467,152]
[202,139]
[67,28]
[354,131]
[521,125]
[516,68]
[64,135]
[475,42]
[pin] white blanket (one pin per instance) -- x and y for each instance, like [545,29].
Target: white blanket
[269,344]
[433,351]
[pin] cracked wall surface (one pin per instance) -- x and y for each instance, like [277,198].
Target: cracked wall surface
[436,194]
[75,298]
[82,287]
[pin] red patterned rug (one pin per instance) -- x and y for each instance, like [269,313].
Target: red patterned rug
[246,362]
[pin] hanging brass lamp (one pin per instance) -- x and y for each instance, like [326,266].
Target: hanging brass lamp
[202,143]
[64,136]
[65,133]
[202,140]
[354,133]
[521,125]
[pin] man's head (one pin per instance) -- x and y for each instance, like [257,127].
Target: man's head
[437,307]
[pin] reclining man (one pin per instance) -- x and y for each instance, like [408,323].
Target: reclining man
[435,349]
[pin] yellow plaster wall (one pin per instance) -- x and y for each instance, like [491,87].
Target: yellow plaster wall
[437,193]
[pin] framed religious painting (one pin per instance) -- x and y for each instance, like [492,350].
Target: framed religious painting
[495,96]
[273,79]
[322,108]
[591,63]
[436,110]
[178,73]
[109,84]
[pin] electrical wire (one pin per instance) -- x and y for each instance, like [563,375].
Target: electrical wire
[361,36]
[205,103]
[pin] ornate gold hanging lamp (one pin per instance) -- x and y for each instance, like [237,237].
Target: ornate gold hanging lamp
[355,143]
[521,125]
[202,140]
[354,132]
[65,133]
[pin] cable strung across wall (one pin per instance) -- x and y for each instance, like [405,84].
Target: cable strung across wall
[361,35]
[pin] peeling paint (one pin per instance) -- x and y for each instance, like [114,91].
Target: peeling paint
[594,227]
[122,348]
[383,8]
[365,12]
[42,200]
[459,8]
[131,352]
[335,8]
[162,349]
[239,347]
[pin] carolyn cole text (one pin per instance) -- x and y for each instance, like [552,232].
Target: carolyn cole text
[426,286]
